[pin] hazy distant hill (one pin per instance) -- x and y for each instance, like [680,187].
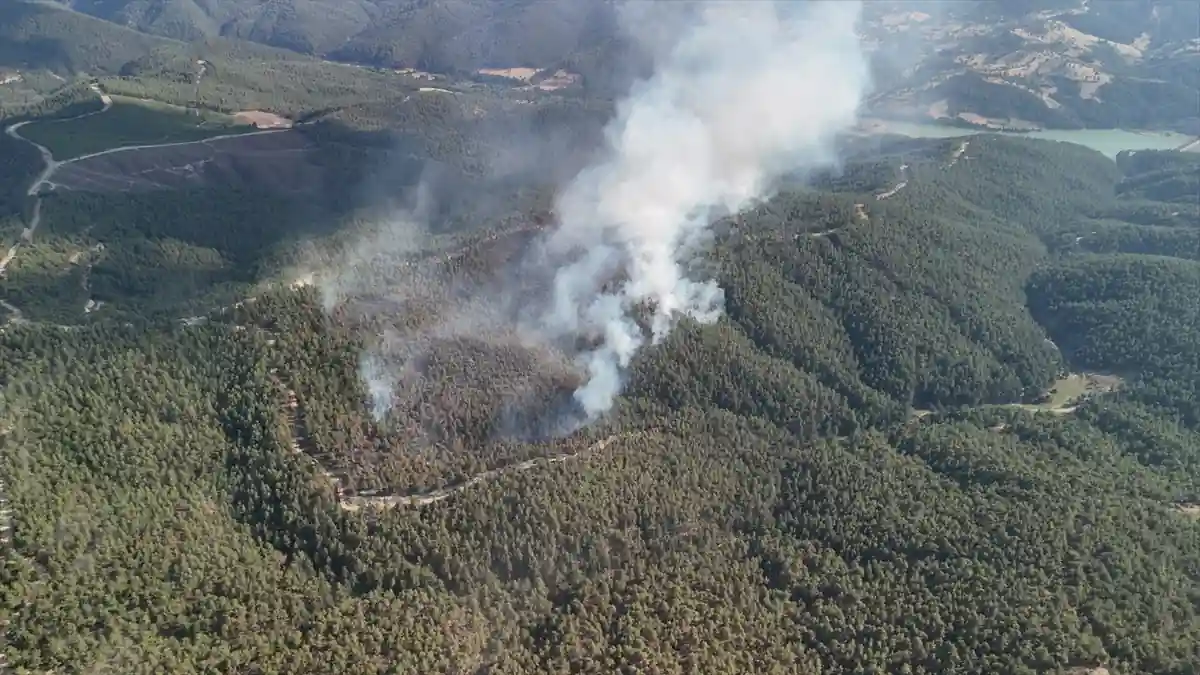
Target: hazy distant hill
[39,36]
[1044,63]
[441,35]
[1047,64]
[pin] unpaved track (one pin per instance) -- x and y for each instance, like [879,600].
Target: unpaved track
[299,440]
[897,187]
[128,148]
[15,312]
[300,444]
[358,503]
[51,165]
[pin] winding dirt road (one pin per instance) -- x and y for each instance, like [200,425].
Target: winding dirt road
[51,165]
[898,186]
[359,502]
[300,439]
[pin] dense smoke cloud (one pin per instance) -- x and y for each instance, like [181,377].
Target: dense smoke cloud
[741,94]
[747,92]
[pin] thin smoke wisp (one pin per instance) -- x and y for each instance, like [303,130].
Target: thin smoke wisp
[748,92]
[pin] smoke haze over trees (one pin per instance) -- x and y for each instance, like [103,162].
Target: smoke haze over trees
[309,401]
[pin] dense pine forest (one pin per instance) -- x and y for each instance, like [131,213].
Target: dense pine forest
[849,473]
[949,421]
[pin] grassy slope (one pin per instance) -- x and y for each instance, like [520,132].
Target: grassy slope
[130,122]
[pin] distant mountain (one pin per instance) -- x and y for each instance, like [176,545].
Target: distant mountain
[1003,64]
[1053,64]
[48,48]
[430,34]
[37,36]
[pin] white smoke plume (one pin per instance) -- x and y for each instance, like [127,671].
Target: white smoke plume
[380,384]
[742,94]
[746,92]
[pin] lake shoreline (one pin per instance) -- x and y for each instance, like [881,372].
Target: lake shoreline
[1107,141]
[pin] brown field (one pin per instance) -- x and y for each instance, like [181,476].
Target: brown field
[273,161]
[262,120]
[547,82]
[522,74]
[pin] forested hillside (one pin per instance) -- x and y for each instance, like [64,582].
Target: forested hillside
[441,36]
[1144,99]
[853,471]
[1065,65]
[154,251]
[236,75]
[54,50]
[270,403]
[280,49]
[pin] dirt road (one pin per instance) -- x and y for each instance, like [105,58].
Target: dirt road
[898,186]
[358,503]
[300,444]
[51,165]
[48,169]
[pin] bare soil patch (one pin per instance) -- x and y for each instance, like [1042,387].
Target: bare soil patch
[532,76]
[1189,510]
[939,110]
[904,18]
[522,74]
[418,74]
[262,119]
